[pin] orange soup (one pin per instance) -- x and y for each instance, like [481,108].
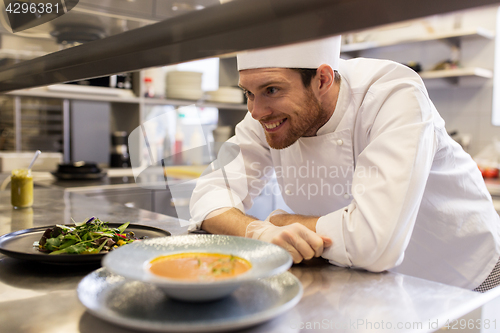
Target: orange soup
[199,266]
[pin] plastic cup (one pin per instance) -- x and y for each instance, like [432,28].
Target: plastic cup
[21,185]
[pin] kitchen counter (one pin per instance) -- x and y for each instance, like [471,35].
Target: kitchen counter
[119,186]
[113,177]
[42,298]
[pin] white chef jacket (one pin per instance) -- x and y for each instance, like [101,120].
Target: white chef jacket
[392,189]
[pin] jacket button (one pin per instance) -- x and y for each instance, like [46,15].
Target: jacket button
[347,196]
[288,192]
[340,142]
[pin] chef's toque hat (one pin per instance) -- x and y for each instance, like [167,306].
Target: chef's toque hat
[310,54]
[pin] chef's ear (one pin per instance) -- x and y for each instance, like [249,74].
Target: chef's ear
[325,78]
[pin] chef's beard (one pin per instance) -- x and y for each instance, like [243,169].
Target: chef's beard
[308,118]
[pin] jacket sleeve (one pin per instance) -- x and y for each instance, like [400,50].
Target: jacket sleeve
[373,231]
[239,174]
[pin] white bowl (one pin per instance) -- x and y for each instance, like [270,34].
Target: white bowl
[131,261]
[182,93]
[226,95]
[184,74]
[184,79]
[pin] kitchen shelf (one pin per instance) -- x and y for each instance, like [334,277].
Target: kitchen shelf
[227,106]
[43,107]
[38,126]
[71,93]
[57,117]
[477,32]
[200,103]
[459,72]
[116,95]
[113,97]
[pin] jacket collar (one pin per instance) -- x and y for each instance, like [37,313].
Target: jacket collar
[340,109]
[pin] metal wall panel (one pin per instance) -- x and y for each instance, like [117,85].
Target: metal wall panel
[90,125]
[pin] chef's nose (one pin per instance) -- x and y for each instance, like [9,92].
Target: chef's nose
[258,108]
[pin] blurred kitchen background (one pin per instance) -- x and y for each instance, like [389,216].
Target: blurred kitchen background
[454,53]
[89,120]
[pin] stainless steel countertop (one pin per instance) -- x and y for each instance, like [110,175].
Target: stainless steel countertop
[42,298]
[113,179]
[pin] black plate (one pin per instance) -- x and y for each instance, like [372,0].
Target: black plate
[19,244]
[78,176]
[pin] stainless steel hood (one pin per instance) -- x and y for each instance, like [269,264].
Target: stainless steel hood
[219,30]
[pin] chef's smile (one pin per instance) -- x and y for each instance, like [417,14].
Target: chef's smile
[273,126]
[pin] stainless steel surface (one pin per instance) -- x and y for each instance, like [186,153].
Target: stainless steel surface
[218,30]
[131,196]
[41,298]
[123,190]
[56,206]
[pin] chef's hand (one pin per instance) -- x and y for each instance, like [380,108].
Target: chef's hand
[298,240]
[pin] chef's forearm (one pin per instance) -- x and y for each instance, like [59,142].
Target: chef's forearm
[227,221]
[286,219]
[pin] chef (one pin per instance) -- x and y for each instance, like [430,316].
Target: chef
[363,160]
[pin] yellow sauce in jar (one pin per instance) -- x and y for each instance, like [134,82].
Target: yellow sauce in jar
[21,188]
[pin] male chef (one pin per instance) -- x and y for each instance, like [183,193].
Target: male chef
[363,159]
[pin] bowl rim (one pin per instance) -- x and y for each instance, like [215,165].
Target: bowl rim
[149,277]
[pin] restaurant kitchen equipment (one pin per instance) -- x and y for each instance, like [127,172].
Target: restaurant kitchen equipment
[119,157]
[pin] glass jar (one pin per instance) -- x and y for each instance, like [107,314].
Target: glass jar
[21,186]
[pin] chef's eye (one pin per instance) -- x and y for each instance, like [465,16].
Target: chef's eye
[271,90]
[248,94]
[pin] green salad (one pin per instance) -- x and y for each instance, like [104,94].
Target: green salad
[89,237]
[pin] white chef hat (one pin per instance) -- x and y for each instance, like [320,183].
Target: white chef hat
[310,54]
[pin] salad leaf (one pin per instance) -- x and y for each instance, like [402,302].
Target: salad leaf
[75,249]
[122,228]
[92,236]
[52,243]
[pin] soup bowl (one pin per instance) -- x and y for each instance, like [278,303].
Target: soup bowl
[134,262]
